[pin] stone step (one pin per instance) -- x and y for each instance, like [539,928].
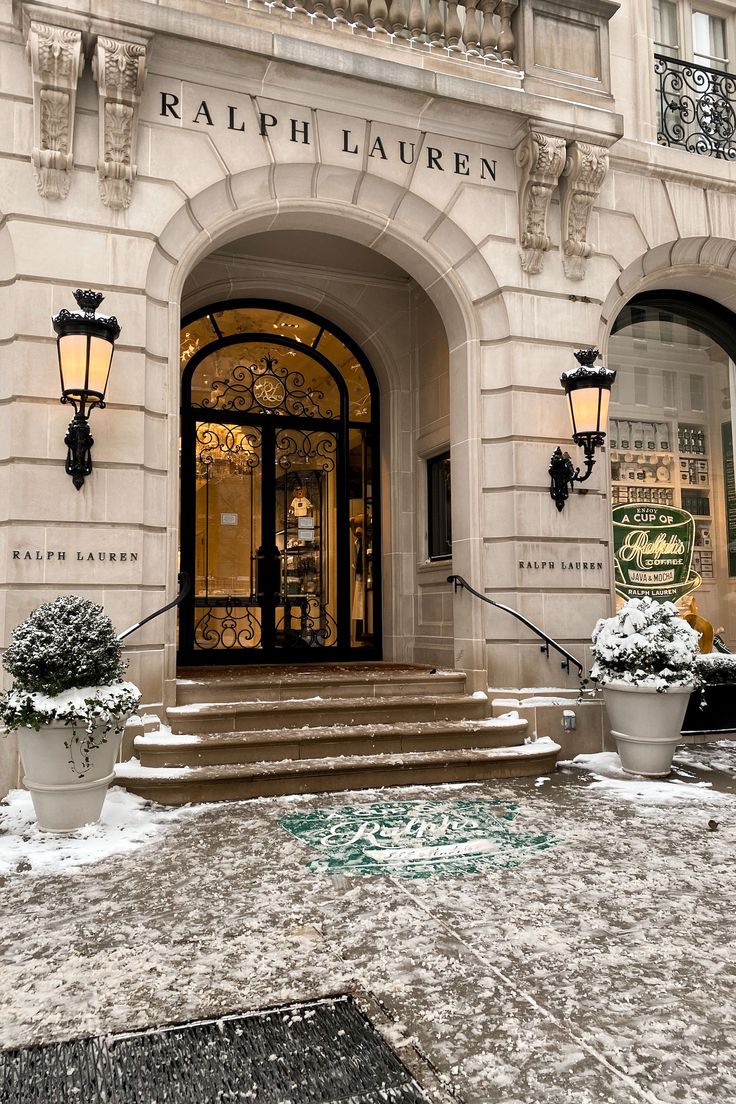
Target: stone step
[163,750]
[257,716]
[236,782]
[348,681]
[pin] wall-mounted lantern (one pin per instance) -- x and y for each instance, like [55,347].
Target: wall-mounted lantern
[588,391]
[85,343]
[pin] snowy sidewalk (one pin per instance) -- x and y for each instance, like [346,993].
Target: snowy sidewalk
[598,969]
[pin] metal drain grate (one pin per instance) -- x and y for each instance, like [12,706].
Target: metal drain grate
[316,1053]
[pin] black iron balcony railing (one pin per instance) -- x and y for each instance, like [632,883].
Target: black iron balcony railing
[696,108]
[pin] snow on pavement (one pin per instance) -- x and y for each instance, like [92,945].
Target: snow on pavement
[601,970]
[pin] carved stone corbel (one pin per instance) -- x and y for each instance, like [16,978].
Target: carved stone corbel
[541,158]
[119,69]
[580,185]
[55,55]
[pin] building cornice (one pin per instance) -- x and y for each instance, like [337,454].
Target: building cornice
[478,88]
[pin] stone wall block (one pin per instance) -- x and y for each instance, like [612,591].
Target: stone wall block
[393,151]
[646,197]
[160,275]
[155,487]
[67,252]
[146,670]
[286,137]
[530,514]
[485,213]
[492,318]
[29,370]
[620,237]
[252,187]
[335,182]
[379,196]
[721,213]
[408,258]
[156,443]
[53,497]
[8,299]
[16,129]
[127,382]
[450,240]
[546,565]
[546,317]
[203,165]
[689,205]
[657,259]
[182,230]
[119,436]
[24,429]
[686,251]
[631,278]
[294,182]
[15,75]
[81,205]
[719,253]
[415,215]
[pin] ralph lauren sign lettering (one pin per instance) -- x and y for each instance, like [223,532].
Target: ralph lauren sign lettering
[76,556]
[220,114]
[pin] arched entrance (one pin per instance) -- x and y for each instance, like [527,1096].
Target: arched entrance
[279,488]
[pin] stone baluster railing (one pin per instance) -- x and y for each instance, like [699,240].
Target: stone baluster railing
[472,29]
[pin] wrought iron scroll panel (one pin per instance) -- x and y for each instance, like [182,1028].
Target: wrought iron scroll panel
[272,576]
[695,108]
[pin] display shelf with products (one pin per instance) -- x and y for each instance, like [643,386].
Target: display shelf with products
[665,463]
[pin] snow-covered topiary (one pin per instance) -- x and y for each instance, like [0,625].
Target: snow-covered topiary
[646,643]
[717,668]
[67,666]
[63,644]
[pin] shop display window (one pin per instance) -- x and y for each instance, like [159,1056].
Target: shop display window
[671,454]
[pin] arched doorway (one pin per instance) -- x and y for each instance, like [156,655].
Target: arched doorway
[279,488]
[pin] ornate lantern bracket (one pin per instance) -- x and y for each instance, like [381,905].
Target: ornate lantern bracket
[588,390]
[85,342]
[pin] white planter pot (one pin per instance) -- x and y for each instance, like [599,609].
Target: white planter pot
[646,725]
[62,800]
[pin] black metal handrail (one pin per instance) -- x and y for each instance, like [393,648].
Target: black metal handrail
[185,585]
[695,107]
[460,583]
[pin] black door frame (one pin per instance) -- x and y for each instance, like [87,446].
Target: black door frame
[187,654]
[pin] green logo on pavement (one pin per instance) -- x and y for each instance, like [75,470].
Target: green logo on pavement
[415,839]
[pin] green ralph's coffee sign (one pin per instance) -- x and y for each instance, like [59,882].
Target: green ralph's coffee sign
[653,549]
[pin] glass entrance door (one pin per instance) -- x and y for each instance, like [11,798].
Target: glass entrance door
[278,530]
[265,538]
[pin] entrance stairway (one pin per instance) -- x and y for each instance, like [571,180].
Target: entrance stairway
[268,731]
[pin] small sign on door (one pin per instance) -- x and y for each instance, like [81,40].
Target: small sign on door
[228,519]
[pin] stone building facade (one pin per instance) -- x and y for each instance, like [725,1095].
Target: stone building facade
[465,193]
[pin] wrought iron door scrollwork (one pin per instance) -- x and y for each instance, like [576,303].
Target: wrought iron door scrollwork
[316,627]
[299,449]
[267,387]
[234,448]
[696,108]
[226,623]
